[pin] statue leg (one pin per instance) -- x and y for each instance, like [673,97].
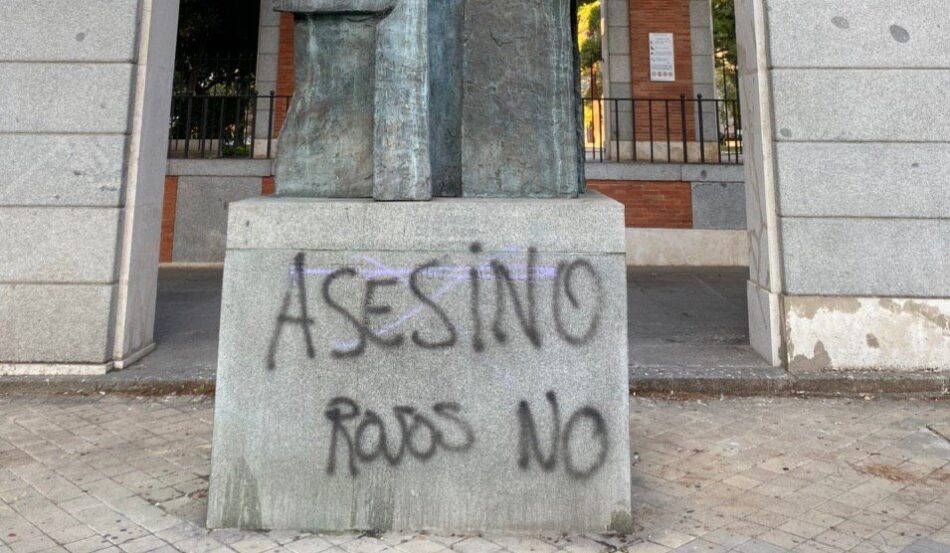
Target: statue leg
[402,166]
[445,95]
[326,145]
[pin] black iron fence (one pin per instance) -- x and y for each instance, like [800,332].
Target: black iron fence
[680,130]
[233,126]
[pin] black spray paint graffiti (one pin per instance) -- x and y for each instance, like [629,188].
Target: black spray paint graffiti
[375,322]
[362,436]
[529,444]
[419,435]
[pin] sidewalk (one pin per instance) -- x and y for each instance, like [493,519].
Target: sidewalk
[112,474]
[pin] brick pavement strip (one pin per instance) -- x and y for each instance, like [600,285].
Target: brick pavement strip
[119,474]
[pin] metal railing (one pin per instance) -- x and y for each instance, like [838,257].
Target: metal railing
[232,126]
[656,130]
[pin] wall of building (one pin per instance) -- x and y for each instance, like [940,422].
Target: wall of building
[678,214]
[847,160]
[197,194]
[627,26]
[86,98]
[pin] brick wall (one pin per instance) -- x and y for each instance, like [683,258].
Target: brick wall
[169,208]
[285,69]
[661,16]
[651,204]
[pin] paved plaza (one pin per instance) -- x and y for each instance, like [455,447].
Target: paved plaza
[111,473]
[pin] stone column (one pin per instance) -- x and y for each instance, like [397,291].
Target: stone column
[847,162]
[618,127]
[83,131]
[702,51]
[268,44]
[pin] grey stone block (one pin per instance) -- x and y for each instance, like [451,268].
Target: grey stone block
[666,172]
[87,98]
[55,323]
[860,105]
[635,171]
[866,257]
[700,14]
[201,215]
[519,128]
[62,170]
[702,49]
[51,244]
[270,17]
[871,33]
[443,419]
[863,180]
[694,172]
[268,40]
[618,39]
[220,167]
[617,10]
[334,6]
[288,223]
[620,69]
[66,30]
[719,205]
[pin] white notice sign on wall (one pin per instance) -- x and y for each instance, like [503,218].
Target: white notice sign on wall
[662,59]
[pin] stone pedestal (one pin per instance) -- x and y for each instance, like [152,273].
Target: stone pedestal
[458,365]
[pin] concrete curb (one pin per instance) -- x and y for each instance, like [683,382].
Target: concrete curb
[650,381]
[780,383]
[76,386]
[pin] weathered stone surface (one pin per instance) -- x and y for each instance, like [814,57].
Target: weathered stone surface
[465,394]
[62,244]
[519,129]
[64,170]
[326,144]
[92,30]
[651,247]
[866,257]
[555,225]
[860,333]
[90,97]
[719,205]
[56,324]
[863,179]
[401,156]
[860,105]
[201,216]
[871,33]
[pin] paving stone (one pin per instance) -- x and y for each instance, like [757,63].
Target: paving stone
[771,434]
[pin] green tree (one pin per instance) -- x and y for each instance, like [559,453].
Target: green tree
[724,28]
[590,43]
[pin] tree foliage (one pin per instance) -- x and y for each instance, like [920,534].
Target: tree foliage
[724,28]
[217,46]
[590,43]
